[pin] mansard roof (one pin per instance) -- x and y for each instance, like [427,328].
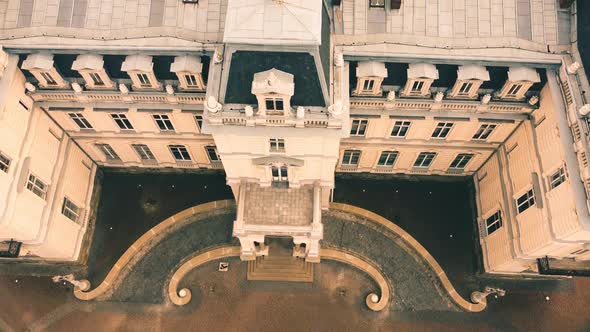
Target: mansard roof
[272,22]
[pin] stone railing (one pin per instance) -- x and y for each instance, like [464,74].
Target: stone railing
[116,96]
[380,104]
[310,120]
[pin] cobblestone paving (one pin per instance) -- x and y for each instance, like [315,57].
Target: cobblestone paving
[414,285]
[273,205]
[147,280]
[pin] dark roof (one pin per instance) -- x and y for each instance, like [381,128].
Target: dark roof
[162,67]
[447,76]
[63,64]
[325,46]
[498,76]
[112,64]
[244,64]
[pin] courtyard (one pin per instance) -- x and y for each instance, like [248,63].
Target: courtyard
[437,212]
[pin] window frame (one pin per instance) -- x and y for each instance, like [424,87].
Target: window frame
[165,120]
[557,177]
[274,100]
[144,152]
[402,125]
[465,92]
[49,79]
[390,158]
[368,85]
[80,120]
[460,160]
[122,121]
[144,80]
[424,156]
[351,156]
[514,89]
[97,80]
[484,131]
[182,152]
[442,130]
[361,127]
[493,221]
[211,150]
[529,200]
[282,173]
[5,162]
[36,186]
[72,212]
[198,121]
[108,151]
[276,145]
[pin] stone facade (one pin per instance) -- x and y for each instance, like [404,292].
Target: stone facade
[283,98]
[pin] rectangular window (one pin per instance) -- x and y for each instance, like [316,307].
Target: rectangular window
[163,122]
[36,186]
[461,160]
[424,159]
[351,157]
[122,121]
[4,163]
[442,130]
[70,210]
[143,151]
[199,121]
[493,223]
[377,3]
[514,89]
[358,127]
[557,178]
[274,104]
[144,80]
[368,85]
[96,79]
[108,151]
[212,153]
[279,174]
[387,158]
[80,120]
[277,145]
[525,201]
[465,88]
[484,131]
[191,81]
[417,86]
[48,78]
[179,152]
[400,128]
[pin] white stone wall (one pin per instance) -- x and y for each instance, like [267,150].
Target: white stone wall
[37,145]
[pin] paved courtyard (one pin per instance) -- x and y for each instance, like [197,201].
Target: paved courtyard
[430,211]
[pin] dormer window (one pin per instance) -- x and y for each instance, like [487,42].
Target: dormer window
[91,68]
[273,89]
[370,75]
[520,80]
[41,66]
[469,80]
[274,104]
[420,78]
[189,70]
[140,69]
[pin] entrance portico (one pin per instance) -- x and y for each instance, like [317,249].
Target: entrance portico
[279,211]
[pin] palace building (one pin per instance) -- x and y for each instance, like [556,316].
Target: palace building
[281,94]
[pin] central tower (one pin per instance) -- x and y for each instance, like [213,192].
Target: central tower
[276,128]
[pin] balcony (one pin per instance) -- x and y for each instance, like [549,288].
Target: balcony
[309,120]
[92,96]
[445,105]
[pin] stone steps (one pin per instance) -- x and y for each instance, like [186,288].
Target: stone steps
[280,268]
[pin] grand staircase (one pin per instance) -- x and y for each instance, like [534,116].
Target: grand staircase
[280,265]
